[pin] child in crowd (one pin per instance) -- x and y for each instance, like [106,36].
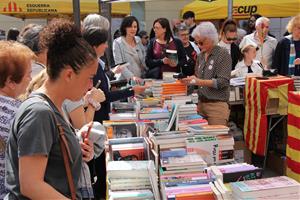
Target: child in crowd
[248,64]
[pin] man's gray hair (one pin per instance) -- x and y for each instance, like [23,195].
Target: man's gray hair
[261,20]
[207,30]
[95,20]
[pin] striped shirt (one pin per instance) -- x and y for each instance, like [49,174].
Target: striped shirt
[216,68]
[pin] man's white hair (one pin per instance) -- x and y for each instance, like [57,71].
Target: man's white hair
[261,20]
[207,30]
[95,20]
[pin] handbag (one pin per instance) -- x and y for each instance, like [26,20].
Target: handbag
[64,149]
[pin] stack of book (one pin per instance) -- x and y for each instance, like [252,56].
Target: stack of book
[122,107]
[188,190]
[123,116]
[173,89]
[154,113]
[136,148]
[121,129]
[187,110]
[214,149]
[205,129]
[177,163]
[235,172]
[181,100]
[221,191]
[191,121]
[239,81]
[281,187]
[296,82]
[132,180]
[157,88]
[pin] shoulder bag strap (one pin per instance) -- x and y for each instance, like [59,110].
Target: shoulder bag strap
[64,149]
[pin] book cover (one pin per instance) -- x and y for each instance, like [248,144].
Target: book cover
[172,55]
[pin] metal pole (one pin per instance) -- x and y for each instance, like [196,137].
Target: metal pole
[105,11]
[76,11]
[229,9]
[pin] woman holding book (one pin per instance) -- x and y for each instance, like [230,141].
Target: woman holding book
[35,164]
[129,48]
[165,53]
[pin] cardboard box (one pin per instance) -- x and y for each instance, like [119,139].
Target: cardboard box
[241,152]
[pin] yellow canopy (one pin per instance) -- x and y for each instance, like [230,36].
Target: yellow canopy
[46,8]
[217,9]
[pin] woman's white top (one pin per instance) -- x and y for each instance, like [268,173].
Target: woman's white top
[241,69]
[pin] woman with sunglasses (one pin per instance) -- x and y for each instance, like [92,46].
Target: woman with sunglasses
[212,75]
[228,36]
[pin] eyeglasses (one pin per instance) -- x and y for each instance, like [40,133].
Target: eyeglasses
[184,34]
[231,39]
[145,37]
[200,42]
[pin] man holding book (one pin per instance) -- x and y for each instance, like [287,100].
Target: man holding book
[212,75]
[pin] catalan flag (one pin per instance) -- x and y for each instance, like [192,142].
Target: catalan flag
[257,94]
[293,141]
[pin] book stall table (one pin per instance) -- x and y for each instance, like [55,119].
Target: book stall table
[263,98]
[293,141]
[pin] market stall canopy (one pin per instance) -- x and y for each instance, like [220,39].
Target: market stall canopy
[50,8]
[217,9]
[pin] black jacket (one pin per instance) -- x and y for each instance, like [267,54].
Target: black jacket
[103,113]
[235,54]
[282,56]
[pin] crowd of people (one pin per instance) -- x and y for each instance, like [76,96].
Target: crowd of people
[55,80]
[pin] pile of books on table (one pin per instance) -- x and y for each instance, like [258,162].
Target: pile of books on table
[280,187]
[134,180]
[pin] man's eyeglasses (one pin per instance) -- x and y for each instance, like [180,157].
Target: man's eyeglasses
[145,37]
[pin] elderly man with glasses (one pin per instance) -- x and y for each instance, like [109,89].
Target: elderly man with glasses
[212,75]
[265,43]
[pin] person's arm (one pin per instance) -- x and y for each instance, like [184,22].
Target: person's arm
[180,53]
[222,77]
[150,61]
[31,173]
[117,51]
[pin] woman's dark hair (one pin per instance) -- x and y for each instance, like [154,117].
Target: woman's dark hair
[165,24]
[66,47]
[127,22]
[95,36]
[228,25]
[30,37]
[12,34]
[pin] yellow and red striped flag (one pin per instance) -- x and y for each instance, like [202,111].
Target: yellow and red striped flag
[257,94]
[293,141]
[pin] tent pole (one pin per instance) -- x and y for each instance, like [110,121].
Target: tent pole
[76,12]
[229,9]
[105,11]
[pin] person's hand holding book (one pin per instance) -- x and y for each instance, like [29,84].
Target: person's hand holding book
[190,80]
[170,62]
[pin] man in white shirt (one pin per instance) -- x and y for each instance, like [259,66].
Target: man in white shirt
[265,43]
